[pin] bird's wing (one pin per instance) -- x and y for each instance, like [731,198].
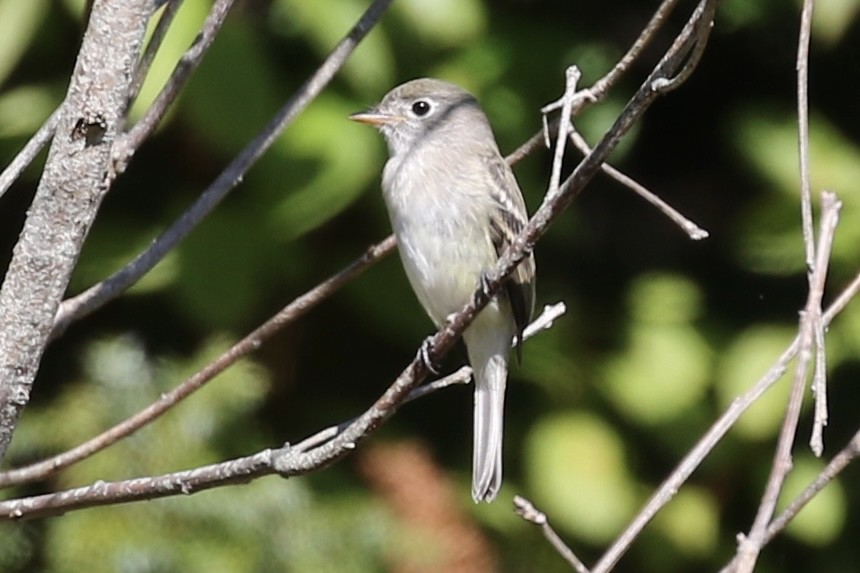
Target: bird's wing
[506,221]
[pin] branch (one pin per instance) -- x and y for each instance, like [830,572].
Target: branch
[129,143]
[26,156]
[68,196]
[250,343]
[693,231]
[525,509]
[152,47]
[601,87]
[97,295]
[848,454]
[712,437]
[803,132]
[207,477]
[751,545]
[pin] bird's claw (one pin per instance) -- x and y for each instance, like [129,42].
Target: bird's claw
[424,355]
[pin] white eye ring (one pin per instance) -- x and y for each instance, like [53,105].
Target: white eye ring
[421,107]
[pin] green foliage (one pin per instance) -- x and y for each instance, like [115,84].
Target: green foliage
[576,466]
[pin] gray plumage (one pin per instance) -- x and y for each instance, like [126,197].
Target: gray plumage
[455,206]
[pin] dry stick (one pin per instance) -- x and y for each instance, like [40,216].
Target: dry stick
[214,475]
[836,465]
[848,454]
[572,76]
[713,436]
[461,376]
[32,148]
[693,230]
[750,546]
[819,385]
[290,461]
[152,48]
[126,147]
[601,87]
[97,295]
[665,85]
[803,132]
[251,342]
[526,509]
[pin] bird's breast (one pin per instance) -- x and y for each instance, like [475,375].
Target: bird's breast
[441,225]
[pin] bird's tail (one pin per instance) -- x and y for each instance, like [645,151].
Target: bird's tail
[490,373]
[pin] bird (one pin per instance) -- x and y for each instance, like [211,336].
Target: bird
[455,206]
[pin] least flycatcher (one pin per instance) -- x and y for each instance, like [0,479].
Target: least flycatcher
[455,206]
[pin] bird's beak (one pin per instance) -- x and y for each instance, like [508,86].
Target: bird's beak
[373,117]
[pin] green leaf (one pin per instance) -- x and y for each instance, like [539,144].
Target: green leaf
[575,465]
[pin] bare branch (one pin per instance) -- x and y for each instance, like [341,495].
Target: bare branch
[525,509]
[26,156]
[152,48]
[665,85]
[572,76]
[67,199]
[601,87]
[97,295]
[751,545]
[693,230]
[712,437]
[251,342]
[215,475]
[803,132]
[848,454]
[604,84]
[127,145]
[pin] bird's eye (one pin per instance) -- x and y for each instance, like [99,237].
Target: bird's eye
[421,108]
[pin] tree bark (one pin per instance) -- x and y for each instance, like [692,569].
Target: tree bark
[76,178]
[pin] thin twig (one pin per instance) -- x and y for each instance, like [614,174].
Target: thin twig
[750,546]
[214,475]
[692,229]
[250,343]
[152,47]
[694,458]
[819,386]
[803,132]
[572,76]
[26,156]
[665,85]
[526,509]
[848,454]
[601,87]
[126,147]
[108,289]
[462,375]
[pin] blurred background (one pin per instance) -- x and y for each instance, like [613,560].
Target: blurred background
[660,335]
